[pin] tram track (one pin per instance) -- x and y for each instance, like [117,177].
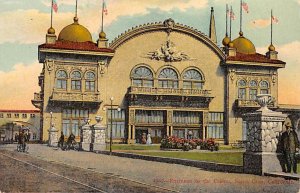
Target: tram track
[112,180]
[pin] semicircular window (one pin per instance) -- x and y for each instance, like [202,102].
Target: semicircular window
[142,76]
[264,87]
[168,78]
[253,89]
[61,79]
[242,89]
[193,79]
[76,80]
[90,81]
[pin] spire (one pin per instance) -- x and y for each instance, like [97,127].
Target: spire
[50,36]
[212,28]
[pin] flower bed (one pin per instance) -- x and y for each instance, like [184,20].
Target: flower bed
[188,144]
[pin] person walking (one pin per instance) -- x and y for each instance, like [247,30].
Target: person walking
[290,145]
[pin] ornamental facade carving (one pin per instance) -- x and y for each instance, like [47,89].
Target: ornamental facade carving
[168,53]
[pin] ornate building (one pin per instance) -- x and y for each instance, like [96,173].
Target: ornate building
[161,78]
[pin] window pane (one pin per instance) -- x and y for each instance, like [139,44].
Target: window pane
[187,85]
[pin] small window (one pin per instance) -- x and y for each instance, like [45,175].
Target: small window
[16,115]
[32,115]
[24,115]
[61,82]
[90,81]
[264,87]
[1,115]
[8,115]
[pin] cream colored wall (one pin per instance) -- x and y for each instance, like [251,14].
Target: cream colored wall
[235,126]
[116,80]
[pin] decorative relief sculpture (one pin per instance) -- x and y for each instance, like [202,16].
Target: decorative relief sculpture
[169,24]
[168,53]
[50,65]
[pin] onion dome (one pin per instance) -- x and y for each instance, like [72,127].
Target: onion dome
[244,45]
[230,44]
[75,33]
[226,41]
[51,30]
[271,48]
[102,35]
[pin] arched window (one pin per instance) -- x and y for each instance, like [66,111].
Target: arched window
[142,76]
[192,79]
[76,80]
[242,89]
[253,89]
[168,78]
[264,87]
[90,81]
[61,79]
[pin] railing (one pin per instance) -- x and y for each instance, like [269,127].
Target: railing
[81,97]
[249,103]
[168,91]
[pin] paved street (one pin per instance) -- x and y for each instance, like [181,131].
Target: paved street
[116,174]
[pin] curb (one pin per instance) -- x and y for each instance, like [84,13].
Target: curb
[209,166]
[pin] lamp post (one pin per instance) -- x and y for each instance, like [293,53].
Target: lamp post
[51,119]
[111,124]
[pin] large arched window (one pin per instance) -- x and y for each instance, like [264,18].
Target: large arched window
[142,76]
[242,89]
[192,79]
[253,89]
[168,78]
[76,80]
[264,87]
[61,79]
[90,81]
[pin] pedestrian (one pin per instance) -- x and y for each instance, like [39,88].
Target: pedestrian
[22,141]
[16,137]
[61,140]
[290,145]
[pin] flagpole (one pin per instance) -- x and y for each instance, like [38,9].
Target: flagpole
[241,16]
[51,12]
[271,27]
[226,20]
[76,8]
[102,15]
[231,12]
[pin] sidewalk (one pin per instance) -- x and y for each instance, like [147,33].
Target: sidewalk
[171,176]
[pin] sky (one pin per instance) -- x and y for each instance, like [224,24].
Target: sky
[24,23]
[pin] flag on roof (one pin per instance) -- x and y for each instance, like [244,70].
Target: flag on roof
[275,20]
[245,7]
[54,6]
[105,11]
[232,15]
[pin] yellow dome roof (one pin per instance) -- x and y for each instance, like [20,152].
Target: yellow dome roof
[226,41]
[75,33]
[244,45]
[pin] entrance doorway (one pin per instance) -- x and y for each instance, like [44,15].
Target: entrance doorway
[141,134]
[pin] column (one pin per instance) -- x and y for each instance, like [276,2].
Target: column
[263,136]
[53,136]
[131,127]
[85,137]
[98,135]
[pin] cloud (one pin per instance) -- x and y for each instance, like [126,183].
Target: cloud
[260,23]
[18,86]
[30,26]
[289,78]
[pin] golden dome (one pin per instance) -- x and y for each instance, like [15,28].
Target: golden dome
[102,35]
[230,44]
[51,30]
[243,45]
[226,41]
[75,33]
[271,48]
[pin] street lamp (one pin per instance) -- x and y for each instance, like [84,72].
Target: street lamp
[111,124]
